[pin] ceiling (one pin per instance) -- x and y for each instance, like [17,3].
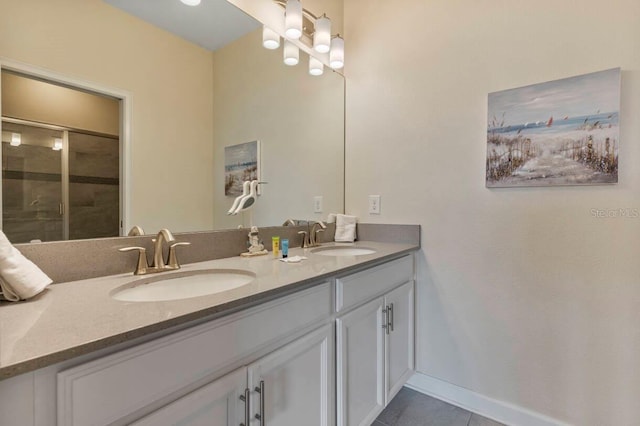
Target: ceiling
[212,24]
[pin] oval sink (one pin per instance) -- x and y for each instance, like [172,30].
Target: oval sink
[182,285]
[343,251]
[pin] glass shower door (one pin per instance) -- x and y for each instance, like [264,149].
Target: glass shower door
[32,203]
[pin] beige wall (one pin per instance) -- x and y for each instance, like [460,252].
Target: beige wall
[36,100]
[170,83]
[334,9]
[523,296]
[299,120]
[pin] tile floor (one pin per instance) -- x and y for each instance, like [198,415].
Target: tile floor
[411,408]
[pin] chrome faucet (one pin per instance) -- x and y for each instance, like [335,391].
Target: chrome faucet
[159,265]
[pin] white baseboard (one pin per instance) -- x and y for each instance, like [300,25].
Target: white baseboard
[499,411]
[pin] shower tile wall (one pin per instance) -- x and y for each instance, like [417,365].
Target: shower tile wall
[94,195]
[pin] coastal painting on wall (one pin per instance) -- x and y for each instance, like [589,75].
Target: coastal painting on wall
[241,163]
[563,132]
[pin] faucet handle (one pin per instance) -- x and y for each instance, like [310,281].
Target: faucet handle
[141,267]
[173,259]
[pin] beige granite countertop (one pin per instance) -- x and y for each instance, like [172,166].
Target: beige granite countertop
[79,317]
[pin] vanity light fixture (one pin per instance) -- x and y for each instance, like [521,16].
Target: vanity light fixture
[57,144]
[270,38]
[310,30]
[16,139]
[336,54]
[293,19]
[322,35]
[191,2]
[315,66]
[291,53]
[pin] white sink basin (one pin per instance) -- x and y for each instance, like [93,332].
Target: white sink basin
[342,251]
[182,285]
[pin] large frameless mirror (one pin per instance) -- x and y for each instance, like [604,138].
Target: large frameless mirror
[177,175]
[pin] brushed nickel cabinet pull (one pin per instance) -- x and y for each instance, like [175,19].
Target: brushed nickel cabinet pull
[385,311]
[260,390]
[247,411]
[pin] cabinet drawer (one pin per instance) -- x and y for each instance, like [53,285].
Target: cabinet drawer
[362,286]
[107,389]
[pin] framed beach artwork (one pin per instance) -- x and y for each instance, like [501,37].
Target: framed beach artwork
[562,132]
[241,163]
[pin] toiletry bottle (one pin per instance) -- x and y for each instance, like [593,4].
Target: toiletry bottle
[275,244]
[284,245]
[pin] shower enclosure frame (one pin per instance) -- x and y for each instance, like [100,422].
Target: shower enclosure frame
[125,129]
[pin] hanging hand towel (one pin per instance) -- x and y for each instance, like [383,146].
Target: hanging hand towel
[345,228]
[20,278]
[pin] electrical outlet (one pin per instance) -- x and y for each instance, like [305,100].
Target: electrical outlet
[374,204]
[317,204]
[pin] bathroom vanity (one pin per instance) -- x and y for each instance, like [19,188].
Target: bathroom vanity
[323,342]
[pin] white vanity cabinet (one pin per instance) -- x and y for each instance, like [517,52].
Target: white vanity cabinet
[177,374]
[335,352]
[399,339]
[292,383]
[375,339]
[220,403]
[360,365]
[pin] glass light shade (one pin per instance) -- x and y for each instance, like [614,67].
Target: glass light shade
[191,2]
[315,66]
[336,55]
[322,35]
[270,38]
[291,53]
[293,19]
[16,139]
[57,144]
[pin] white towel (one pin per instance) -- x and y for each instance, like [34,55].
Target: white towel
[345,228]
[332,218]
[20,278]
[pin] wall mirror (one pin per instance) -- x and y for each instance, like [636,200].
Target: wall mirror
[188,102]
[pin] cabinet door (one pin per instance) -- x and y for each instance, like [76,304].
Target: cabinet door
[292,386]
[215,404]
[399,344]
[360,364]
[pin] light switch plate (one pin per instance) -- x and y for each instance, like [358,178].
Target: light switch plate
[317,204]
[374,204]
